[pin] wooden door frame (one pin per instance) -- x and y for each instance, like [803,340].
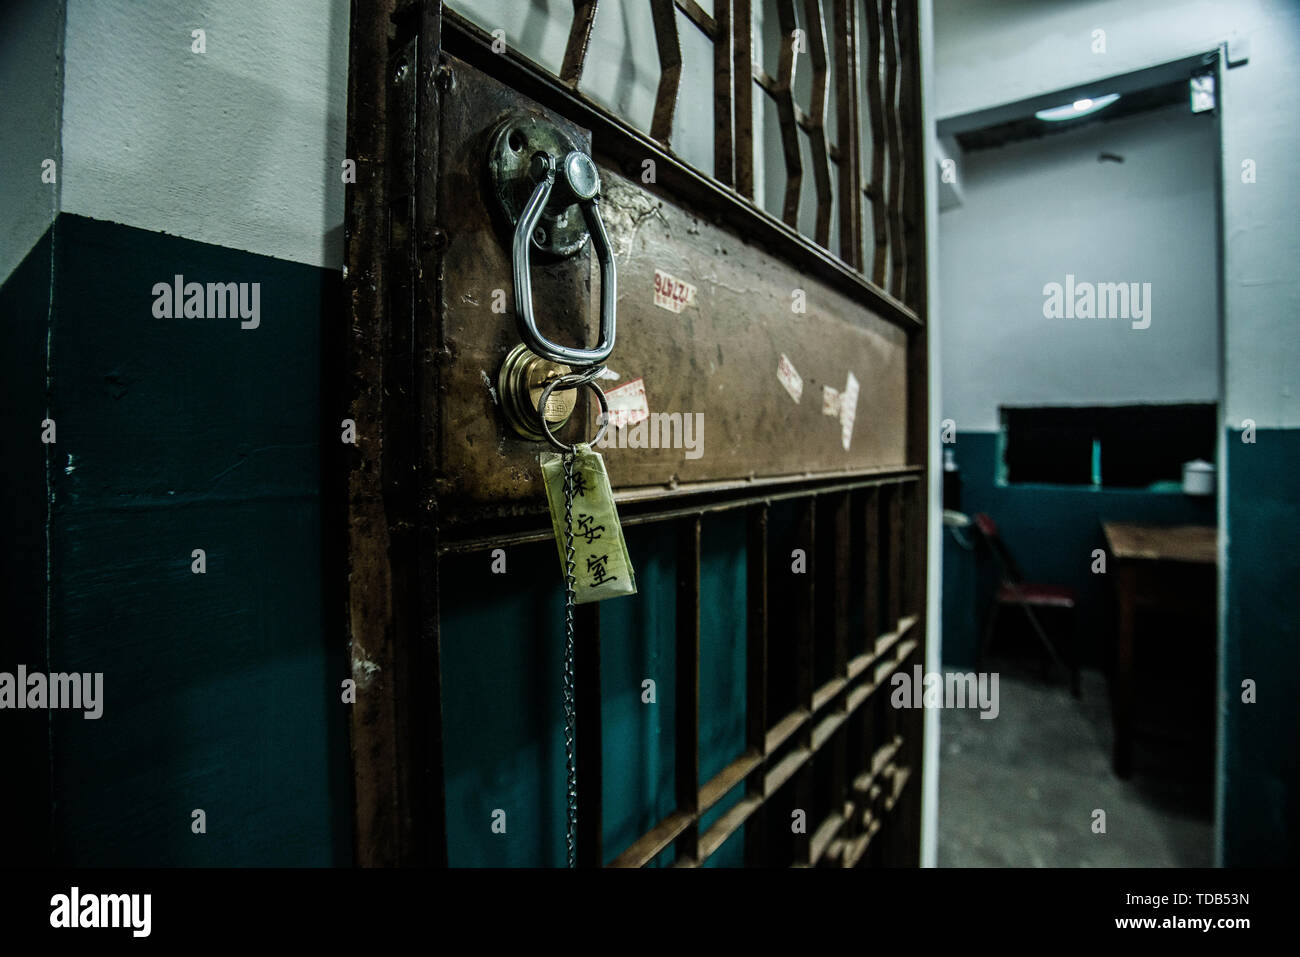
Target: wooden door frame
[390,579]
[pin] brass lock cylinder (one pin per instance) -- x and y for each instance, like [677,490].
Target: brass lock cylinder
[520,383]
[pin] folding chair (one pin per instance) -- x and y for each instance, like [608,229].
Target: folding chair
[1014,590]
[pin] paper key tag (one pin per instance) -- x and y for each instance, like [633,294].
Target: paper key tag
[602,568]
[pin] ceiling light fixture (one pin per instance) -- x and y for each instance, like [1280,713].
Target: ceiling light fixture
[1076,109]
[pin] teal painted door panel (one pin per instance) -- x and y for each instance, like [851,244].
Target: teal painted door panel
[502,653]
[723,632]
[638,644]
[723,628]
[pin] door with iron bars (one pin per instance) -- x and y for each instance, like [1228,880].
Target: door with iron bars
[688,235]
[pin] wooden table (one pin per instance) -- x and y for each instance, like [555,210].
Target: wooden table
[1152,565]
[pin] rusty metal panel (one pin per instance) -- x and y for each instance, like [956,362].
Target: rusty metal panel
[716,357]
[719,356]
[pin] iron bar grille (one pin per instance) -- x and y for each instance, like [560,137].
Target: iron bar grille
[821,735]
[859,156]
[818,734]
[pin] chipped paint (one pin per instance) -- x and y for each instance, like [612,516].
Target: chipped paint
[363,669]
[713,280]
[626,210]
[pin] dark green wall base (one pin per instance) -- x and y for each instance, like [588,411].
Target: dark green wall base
[24,735]
[1261,810]
[222,690]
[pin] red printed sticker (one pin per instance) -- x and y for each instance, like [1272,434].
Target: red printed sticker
[627,403]
[671,293]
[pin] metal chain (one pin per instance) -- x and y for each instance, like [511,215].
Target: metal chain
[570,705]
[585,376]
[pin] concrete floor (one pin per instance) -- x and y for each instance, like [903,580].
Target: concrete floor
[1019,790]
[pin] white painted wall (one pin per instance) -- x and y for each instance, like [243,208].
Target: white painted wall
[991,52]
[240,146]
[31,76]
[1039,209]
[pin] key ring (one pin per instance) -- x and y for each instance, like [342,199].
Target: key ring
[572,381]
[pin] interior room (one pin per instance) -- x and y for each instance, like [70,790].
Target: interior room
[1077,437]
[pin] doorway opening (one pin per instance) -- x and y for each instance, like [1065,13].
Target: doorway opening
[1080,267]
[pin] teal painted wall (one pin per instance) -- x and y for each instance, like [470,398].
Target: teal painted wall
[1261,811]
[964,602]
[1051,532]
[221,690]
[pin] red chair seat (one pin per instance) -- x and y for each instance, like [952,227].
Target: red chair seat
[1032,593]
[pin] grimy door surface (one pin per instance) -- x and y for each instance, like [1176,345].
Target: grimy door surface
[769,464]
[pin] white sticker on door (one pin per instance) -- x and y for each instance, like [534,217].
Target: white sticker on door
[843,405]
[627,403]
[848,410]
[793,382]
[830,401]
[672,293]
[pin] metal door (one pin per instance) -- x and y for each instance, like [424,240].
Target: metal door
[735,710]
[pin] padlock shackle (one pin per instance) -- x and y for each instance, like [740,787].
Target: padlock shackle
[579,181]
